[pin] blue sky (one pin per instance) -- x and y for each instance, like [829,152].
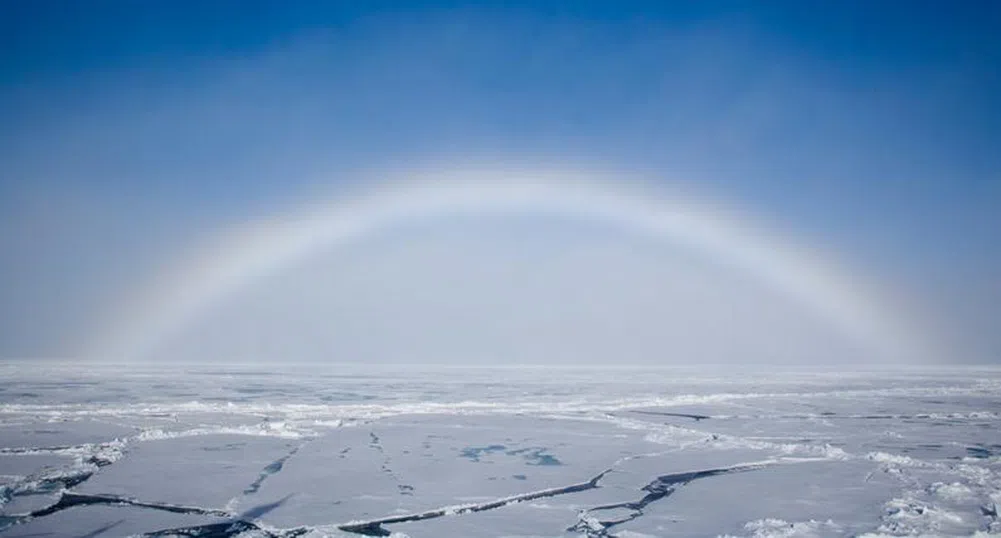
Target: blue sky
[129,129]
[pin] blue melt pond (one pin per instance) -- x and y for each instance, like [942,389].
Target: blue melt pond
[474,453]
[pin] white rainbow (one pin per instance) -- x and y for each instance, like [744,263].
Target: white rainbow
[238,258]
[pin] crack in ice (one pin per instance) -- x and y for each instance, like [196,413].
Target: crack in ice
[660,488]
[272,468]
[374,527]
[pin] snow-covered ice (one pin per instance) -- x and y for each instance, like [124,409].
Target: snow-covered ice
[100,450]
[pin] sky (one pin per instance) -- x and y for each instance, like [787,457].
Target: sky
[131,131]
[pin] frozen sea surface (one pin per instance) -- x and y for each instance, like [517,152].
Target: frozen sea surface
[102,451]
